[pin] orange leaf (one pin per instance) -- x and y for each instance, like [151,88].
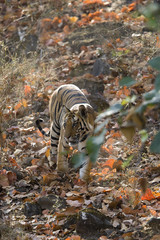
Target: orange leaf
[132,6]
[73,19]
[56,20]
[124,9]
[118,40]
[47,225]
[108,149]
[153,212]
[110,141]
[112,15]
[18,105]
[116,134]
[47,154]
[87,2]
[5,149]
[121,49]
[35,161]
[158,42]
[4,136]
[39,133]
[105,171]
[24,102]
[66,29]
[27,90]
[13,162]
[109,163]
[148,195]
[119,93]
[157,195]
[126,91]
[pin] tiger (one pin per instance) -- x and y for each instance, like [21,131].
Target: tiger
[72,121]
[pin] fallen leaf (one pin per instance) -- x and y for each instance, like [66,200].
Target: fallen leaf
[148,195]
[17,106]
[24,102]
[27,90]
[4,182]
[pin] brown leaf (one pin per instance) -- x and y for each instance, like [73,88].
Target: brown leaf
[143,184]
[12,177]
[4,182]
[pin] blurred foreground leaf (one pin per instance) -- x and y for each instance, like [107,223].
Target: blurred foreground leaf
[155,145]
[127,81]
[155,63]
[94,144]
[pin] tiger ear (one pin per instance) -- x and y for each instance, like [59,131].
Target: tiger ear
[82,111]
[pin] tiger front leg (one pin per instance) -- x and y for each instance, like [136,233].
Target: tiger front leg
[84,171]
[62,158]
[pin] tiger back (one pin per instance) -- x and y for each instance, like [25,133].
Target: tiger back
[72,122]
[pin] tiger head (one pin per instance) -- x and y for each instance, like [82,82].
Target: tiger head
[78,123]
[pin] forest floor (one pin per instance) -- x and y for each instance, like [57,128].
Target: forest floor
[92,44]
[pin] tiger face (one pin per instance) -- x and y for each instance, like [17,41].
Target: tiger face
[72,129]
[75,125]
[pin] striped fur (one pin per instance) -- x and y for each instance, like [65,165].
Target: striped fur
[72,122]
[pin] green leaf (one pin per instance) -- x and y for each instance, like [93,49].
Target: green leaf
[110,111]
[78,159]
[144,135]
[149,95]
[157,83]
[128,100]
[155,63]
[93,145]
[127,81]
[154,101]
[150,11]
[127,162]
[155,145]
[101,126]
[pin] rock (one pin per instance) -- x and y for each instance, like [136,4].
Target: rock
[90,221]
[30,43]
[154,223]
[71,220]
[45,203]
[90,83]
[31,209]
[51,202]
[100,67]
[98,102]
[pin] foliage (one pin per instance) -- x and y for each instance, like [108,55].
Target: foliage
[134,119]
[134,116]
[152,13]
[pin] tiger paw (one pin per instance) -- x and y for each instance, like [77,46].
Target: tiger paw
[62,167]
[52,159]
